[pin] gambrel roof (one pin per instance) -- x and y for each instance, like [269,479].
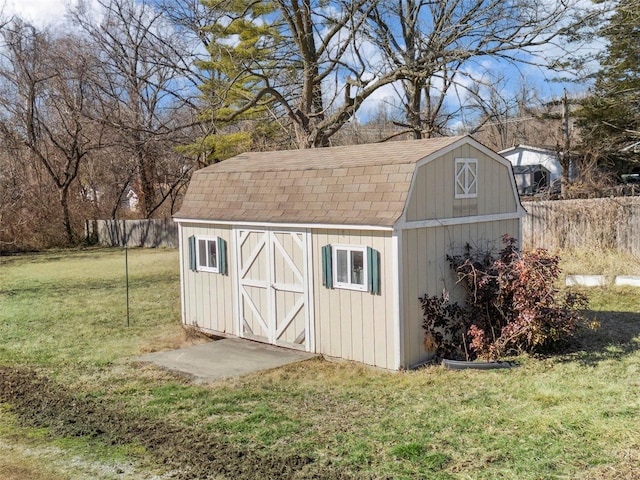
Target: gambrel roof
[350,185]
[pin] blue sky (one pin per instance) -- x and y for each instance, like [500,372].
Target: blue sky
[51,12]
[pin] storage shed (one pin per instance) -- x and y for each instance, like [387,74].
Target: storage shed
[531,179]
[529,156]
[328,250]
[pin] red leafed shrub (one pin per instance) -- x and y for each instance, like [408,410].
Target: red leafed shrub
[512,305]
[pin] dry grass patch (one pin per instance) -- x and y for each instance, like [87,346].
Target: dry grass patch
[188,336]
[598,262]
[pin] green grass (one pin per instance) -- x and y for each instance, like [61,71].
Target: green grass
[574,415]
[71,307]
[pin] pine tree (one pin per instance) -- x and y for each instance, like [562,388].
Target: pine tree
[239,40]
[610,117]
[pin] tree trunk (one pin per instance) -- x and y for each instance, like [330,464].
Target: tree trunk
[146,191]
[413,106]
[66,214]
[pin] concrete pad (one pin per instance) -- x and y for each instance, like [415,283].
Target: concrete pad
[628,280]
[586,280]
[225,358]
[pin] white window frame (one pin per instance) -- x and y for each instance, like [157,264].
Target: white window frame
[465,178]
[365,273]
[207,268]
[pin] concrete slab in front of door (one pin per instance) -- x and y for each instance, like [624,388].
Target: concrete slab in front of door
[225,358]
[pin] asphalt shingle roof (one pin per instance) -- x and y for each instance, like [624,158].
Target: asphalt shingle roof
[351,185]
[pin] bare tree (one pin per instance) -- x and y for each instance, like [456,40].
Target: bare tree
[13,190]
[441,46]
[303,61]
[147,93]
[45,98]
[497,114]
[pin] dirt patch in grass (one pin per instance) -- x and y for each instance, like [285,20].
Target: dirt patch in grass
[186,451]
[18,472]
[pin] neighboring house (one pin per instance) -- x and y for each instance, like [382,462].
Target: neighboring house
[634,175]
[535,168]
[130,200]
[328,250]
[92,194]
[531,179]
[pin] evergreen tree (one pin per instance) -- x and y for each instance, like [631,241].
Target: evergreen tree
[239,39]
[610,117]
[295,63]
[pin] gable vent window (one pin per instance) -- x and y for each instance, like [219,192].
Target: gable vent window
[208,254]
[466,185]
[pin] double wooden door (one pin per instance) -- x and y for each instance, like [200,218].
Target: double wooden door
[273,286]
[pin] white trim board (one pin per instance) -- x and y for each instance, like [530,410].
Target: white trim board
[445,222]
[292,226]
[183,291]
[398,304]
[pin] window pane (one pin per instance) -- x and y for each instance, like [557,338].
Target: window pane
[357,267]
[213,257]
[471,178]
[342,266]
[202,253]
[460,178]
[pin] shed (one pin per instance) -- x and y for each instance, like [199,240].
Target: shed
[546,158]
[531,179]
[328,250]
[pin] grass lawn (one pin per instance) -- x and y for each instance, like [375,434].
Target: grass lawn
[74,404]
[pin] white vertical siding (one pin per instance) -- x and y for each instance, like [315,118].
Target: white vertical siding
[351,324]
[432,195]
[208,299]
[425,270]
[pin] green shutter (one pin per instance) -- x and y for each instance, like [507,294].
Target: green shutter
[373,267]
[327,275]
[222,256]
[192,253]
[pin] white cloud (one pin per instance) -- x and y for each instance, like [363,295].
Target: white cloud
[387,95]
[41,12]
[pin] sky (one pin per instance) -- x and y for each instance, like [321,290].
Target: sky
[37,11]
[52,12]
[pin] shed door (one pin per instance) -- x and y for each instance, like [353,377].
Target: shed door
[273,287]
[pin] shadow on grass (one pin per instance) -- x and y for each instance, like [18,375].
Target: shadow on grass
[618,336]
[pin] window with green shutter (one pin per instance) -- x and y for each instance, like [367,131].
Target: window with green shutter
[351,267]
[208,254]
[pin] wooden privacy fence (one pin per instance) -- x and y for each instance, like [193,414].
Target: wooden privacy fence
[599,223]
[136,233]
